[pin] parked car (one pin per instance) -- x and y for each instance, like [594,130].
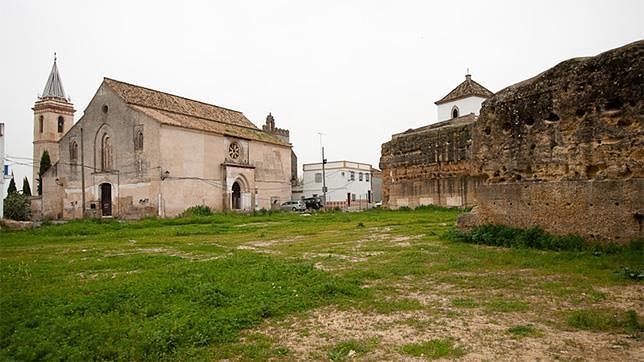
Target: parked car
[313,203]
[297,205]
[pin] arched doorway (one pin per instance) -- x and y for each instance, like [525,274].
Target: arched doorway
[106,199]
[236,197]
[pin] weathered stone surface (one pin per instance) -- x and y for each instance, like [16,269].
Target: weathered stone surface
[563,150]
[15,225]
[581,120]
[430,165]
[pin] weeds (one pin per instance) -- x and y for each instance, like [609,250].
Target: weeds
[535,238]
[604,320]
[181,289]
[351,348]
[522,331]
[436,348]
[464,303]
[199,210]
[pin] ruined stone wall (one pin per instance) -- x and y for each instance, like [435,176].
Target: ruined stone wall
[565,149]
[430,165]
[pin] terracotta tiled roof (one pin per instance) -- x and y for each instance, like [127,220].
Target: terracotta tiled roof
[466,89]
[183,112]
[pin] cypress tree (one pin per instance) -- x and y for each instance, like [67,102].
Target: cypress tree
[12,186]
[26,189]
[45,164]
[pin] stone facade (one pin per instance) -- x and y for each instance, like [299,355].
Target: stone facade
[149,153]
[284,135]
[430,166]
[563,150]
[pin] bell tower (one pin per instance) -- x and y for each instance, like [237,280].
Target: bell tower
[53,117]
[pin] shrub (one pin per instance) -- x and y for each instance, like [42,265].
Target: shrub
[199,210]
[17,207]
[534,237]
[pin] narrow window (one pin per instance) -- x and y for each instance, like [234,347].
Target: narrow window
[360,176]
[106,153]
[366,177]
[61,124]
[138,141]
[41,123]
[73,152]
[352,176]
[318,178]
[455,112]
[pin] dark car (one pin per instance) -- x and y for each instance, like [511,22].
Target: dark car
[313,203]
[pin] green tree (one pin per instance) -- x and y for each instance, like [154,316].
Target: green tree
[12,186]
[45,164]
[26,189]
[17,207]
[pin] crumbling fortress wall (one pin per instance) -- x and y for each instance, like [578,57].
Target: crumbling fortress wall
[565,149]
[430,165]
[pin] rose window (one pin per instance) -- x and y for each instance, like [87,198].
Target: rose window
[234,151]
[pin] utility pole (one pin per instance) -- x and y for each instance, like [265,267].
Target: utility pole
[82,155]
[323,174]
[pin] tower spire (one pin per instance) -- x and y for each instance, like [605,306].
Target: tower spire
[54,85]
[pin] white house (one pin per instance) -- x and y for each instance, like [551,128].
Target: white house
[348,183]
[466,98]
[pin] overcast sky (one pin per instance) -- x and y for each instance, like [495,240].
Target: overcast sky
[358,71]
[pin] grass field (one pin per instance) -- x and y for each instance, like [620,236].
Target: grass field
[377,285]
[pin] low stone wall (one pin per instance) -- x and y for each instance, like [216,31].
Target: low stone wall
[596,210]
[455,191]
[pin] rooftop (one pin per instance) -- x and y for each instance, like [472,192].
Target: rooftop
[454,122]
[187,113]
[54,85]
[468,88]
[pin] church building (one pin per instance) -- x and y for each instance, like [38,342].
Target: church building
[140,152]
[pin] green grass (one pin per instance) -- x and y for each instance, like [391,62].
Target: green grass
[436,348]
[351,348]
[395,305]
[191,288]
[605,320]
[464,303]
[505,305]
[521,331]
[169,307]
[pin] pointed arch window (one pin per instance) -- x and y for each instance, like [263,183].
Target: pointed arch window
[73,152]
[61,124]
[106,153]
[138,141]
[455,112]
